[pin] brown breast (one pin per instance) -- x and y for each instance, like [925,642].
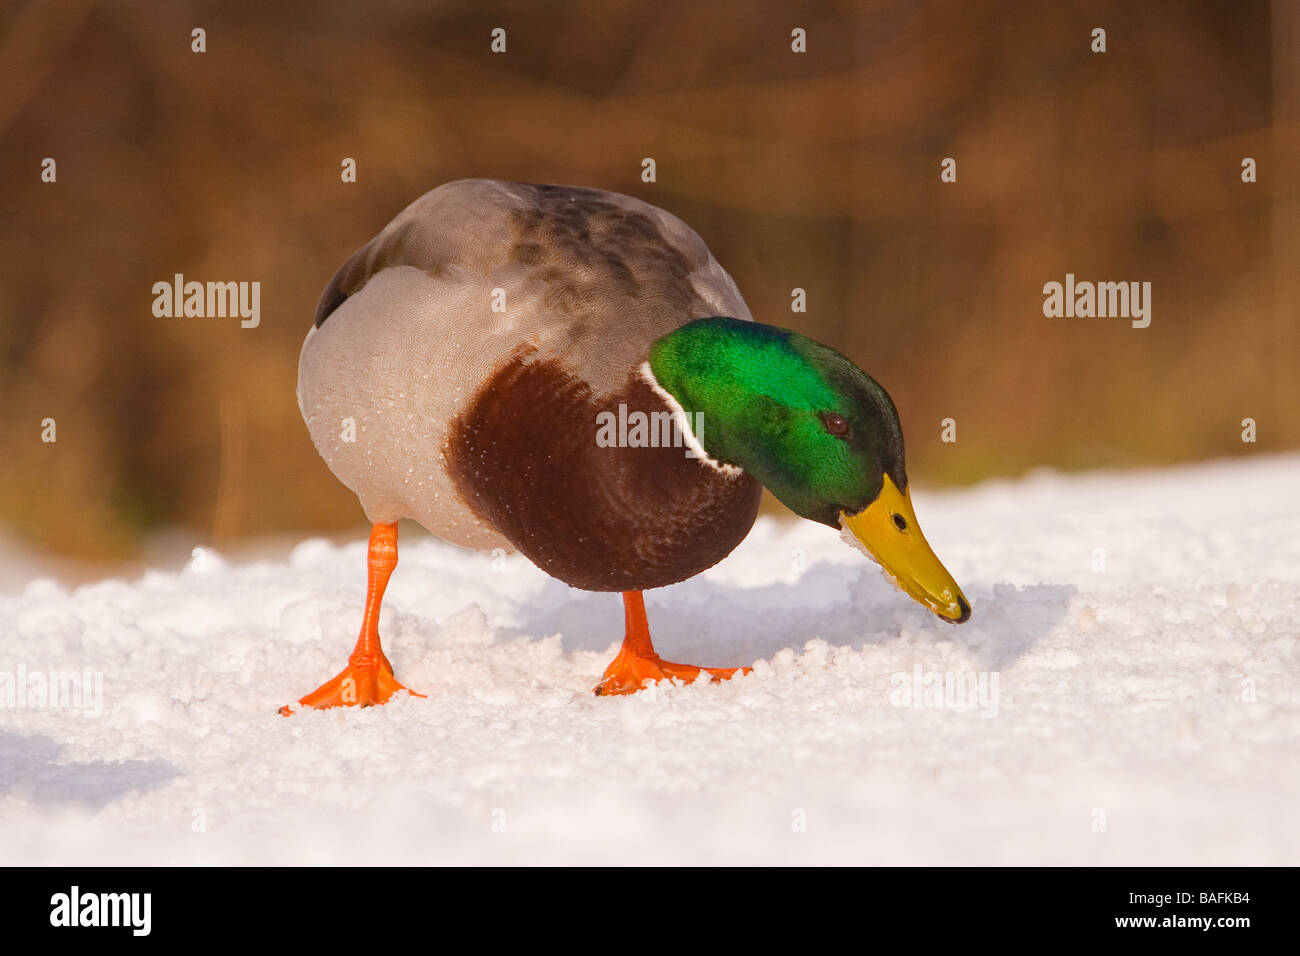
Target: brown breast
[525,458]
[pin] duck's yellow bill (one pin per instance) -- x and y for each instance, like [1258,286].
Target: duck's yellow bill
[888,531]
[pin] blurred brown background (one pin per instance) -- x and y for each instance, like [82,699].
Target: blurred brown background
[816,170]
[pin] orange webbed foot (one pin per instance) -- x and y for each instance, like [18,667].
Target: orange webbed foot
[637,661]
[363,683]
[628,674]
[368,679]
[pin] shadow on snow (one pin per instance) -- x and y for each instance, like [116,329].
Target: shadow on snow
[30,766]
[715,624]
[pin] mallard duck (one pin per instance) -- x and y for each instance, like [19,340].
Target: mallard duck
[569,373]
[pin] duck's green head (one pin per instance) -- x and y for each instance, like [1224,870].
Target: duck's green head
[815,430]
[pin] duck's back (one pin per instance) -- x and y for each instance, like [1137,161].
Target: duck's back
[465,280]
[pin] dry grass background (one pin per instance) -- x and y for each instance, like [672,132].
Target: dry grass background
[818,170]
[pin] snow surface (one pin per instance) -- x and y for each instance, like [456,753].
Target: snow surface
[1142,628]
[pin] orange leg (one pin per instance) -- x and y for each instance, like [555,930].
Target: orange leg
[368,679]
[637,661]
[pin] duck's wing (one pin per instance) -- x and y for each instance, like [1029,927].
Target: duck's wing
[584,275]
[456,229]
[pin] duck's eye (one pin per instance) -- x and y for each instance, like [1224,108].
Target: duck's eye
[837,425]
[900,522]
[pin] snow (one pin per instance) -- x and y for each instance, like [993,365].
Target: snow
[1140,630]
